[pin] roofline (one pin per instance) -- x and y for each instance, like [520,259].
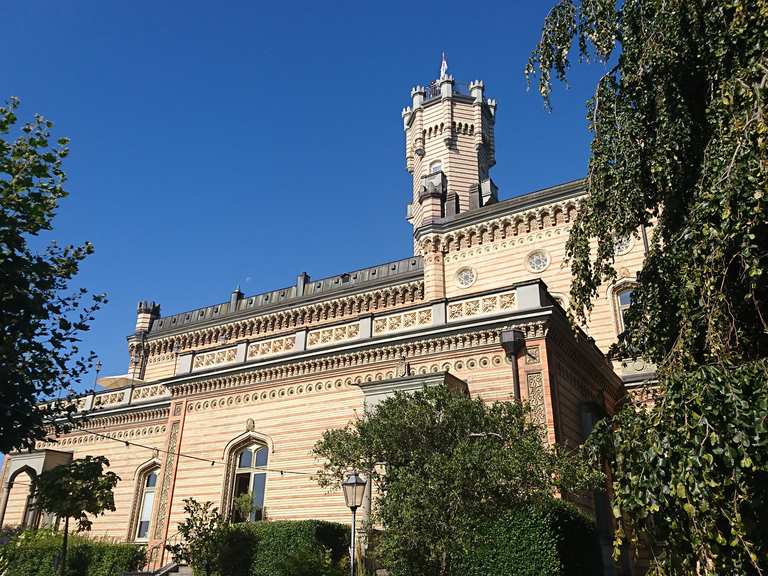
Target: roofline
[526,201]
[357,288]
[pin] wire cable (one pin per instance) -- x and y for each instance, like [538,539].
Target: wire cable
[179,454]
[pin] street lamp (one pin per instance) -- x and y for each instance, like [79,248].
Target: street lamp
[354,488]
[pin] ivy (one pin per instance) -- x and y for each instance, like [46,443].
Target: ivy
[691,471]
[679,131]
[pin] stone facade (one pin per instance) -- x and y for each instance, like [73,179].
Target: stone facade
[480,306]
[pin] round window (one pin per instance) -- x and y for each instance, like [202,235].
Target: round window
[622,245]
[465,277]
[537,261]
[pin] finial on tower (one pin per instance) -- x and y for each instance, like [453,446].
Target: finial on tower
[443,66]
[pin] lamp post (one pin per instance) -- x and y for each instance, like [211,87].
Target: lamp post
[354,489]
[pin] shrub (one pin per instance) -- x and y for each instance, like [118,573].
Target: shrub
[551,538]
[277,548]
[35,553]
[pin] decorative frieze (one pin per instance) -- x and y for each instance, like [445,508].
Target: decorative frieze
[535,384]
[110,399]
[512,229]
[147,392]
[424,347]
[333,335]
[118,435]
[481,306]
[271,347]
[394,370]
[162,509]
[214,358]
[404,321]
[289,319]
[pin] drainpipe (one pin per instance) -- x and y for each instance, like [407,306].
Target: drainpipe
[513,341]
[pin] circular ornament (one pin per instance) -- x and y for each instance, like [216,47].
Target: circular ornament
[465,277]
[537,261]
[622,245]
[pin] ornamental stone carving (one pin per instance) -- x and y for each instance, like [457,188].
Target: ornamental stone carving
[333,335]
[535,384]
[170,458]
[214,358]
[404,321]
[491,304]
[271,347]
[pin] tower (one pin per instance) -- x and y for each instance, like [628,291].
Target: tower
[449,149]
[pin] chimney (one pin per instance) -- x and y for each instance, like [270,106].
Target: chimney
[234,299]
[146,313]
[301,281]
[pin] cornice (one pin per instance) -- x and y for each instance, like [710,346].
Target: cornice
[370,279]
[413,347]
[309,314]
[531,203]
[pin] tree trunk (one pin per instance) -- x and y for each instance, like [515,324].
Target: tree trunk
[63,565]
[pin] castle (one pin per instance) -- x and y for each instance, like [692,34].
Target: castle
[229,399]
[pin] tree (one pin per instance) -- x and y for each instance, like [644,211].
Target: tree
[200,536]
[41,320]
[679,130]
[441,464]
[76,490]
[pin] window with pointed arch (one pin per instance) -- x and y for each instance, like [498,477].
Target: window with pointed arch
[144,519]
[435,167]
[623,300]
[251,479]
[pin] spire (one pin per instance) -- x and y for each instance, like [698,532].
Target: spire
[443,66]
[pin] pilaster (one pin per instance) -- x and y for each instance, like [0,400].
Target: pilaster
[434,272]
[163,504]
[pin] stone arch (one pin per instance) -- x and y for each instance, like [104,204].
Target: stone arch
[231,450]
[139,478]
[18,516]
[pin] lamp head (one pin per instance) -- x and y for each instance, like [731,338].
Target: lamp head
[354,488]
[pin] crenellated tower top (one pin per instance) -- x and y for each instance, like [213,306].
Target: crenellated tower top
[449,148]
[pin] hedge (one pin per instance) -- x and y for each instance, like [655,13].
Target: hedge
[552,538]
[34,553]
[268,548]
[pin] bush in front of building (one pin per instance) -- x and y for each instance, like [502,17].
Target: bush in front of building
[36,553]
[283,548]
[549,538]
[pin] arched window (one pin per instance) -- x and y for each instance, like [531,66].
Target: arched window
[250,479]
[145,499]
[435,167]
[623,300]
[20,505]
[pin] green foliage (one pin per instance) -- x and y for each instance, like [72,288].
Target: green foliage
[679,147]
[243,505]
[213,546]
[313,563]
[41,319]
[693,471]
[236,551]
[37,553]
[284,548]
[442,462]
[548,538]
[200,537]
[679,143]
[77,489]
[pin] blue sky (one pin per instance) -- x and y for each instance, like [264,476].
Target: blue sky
[225,143]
